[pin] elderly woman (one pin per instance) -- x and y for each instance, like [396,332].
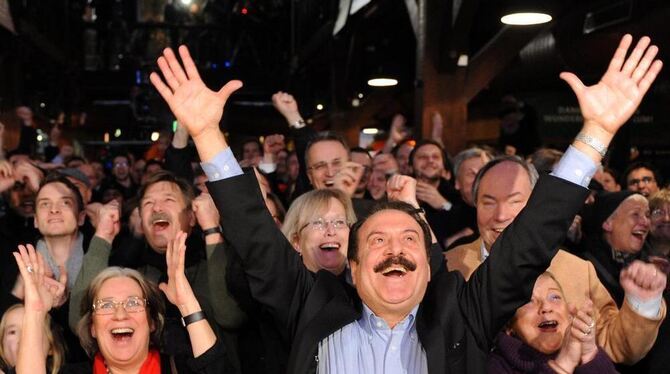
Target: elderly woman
[123,319]
[317,225]
[10,332]
[544,337]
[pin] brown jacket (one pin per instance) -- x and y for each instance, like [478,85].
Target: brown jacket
[623,334]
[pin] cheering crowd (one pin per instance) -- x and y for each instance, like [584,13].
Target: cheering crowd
[327,258]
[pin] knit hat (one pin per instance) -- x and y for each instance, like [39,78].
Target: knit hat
[605,204]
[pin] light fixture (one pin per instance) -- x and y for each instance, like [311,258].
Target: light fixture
[319,106]
[382,82]
[154,136]
[117,133]
[527,12]
[360,95]
[105,137]
[370,131]
[186,2]
[525,19]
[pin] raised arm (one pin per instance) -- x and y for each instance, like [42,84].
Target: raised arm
[179,292]
[197,108]
[276,275]
[526,247]
[39,299]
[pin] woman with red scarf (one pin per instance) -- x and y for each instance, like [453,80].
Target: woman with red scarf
[123,320]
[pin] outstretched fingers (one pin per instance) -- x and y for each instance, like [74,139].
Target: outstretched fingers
[620,55]
[650,77]
[644,64]
[229,88]
[574,82]
[635,56]
[175,66]
[189,65]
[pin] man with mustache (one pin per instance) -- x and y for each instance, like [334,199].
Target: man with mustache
[167,205]
[397,320]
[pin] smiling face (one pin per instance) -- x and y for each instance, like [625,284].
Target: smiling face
[541,322]
[322,241]
[122,337]
[427,163]
[660,222]
[164,213]
[324,160]
[627,228]
[391,272]
[503,191]
[56,212]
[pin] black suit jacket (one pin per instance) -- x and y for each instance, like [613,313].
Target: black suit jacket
[456,321]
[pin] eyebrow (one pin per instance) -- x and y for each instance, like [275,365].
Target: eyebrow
[383,233]
[513,194]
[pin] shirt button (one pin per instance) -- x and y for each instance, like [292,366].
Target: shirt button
[579,172]
[225,167]
[393,347]
[216,175]
[379,324]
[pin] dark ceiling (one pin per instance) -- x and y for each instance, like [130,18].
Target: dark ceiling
[64,58]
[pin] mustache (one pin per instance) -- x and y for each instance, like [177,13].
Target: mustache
[395,260]
[159,216]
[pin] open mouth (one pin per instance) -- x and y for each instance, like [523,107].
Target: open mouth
[329,183]
[395,271]
[640,234]
[161,224]
[548,326]
[122,334]
[330,247]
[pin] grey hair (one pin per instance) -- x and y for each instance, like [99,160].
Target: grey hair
[467,154]
[529,168]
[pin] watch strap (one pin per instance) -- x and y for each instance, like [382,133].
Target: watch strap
[212,230]
[193,318]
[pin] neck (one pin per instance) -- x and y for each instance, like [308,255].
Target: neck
[125,369]
[60,247]
[124,182]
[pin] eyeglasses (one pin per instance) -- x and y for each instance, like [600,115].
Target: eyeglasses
[659,213]
[320,224]
[120,164]
[133,304]
[320,167]
[636,181]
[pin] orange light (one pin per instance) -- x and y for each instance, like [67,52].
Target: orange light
[244,11]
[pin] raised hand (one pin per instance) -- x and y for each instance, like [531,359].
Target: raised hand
[583,328]
[347,179]
[607,105]
[108,220]
[430,195]
[398,131]
[177,290]
[273,144]
[286,104]
[643,281]
[205,211]
[39,296]
[570,355]
[25,172]
[197,108]
[402,188]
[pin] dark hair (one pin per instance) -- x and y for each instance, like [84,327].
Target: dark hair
[394,150]
[165,176]
[323,137]
[352,252]
[56,177]
[641,165]
[425,142]
[360,150]
[152,162]
[544,159]
[529,168]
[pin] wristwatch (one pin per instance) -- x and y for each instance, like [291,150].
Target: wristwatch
[213,230]
[193,318]
[300,123]
[592,142]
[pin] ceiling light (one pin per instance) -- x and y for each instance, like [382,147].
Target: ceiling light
[319,106]
[370,131]
[154,136]
[186,2]
[525,19]
[382,82]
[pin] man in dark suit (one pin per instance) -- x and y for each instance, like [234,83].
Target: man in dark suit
[396,317]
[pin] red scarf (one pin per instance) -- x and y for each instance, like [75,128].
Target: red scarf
[152,365]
